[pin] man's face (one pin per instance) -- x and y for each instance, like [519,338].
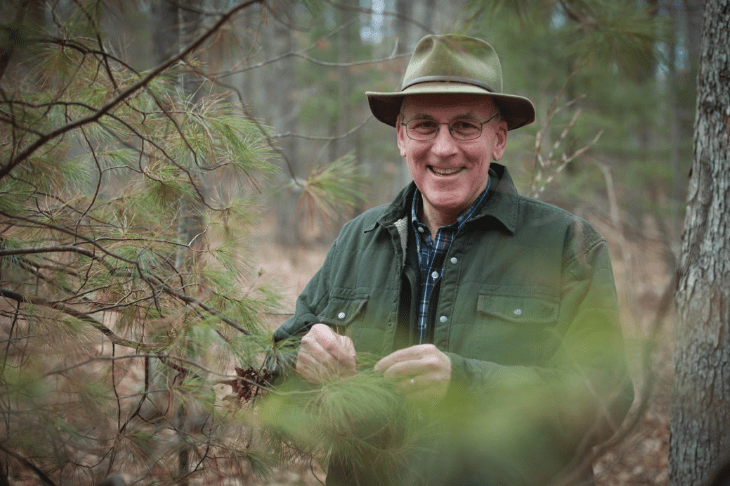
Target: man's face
[450,173]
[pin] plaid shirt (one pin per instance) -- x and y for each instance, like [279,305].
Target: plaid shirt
[432,253]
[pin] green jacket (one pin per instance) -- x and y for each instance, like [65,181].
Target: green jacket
[526,310]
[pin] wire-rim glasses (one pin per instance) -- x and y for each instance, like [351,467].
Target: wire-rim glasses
[424,129]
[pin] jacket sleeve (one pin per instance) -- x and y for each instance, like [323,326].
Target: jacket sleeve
[577,397]
[288,335]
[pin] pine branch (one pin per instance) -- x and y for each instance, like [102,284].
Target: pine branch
[192,300]
[93,359]
[82,316]
[124,94]
[113,337]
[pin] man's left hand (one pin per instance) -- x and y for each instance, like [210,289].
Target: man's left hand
[422,372]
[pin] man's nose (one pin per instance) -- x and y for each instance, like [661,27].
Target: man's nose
[444,143]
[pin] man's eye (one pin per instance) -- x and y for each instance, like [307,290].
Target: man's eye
[465,126]
[424,126]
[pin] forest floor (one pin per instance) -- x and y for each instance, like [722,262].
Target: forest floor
[641,457]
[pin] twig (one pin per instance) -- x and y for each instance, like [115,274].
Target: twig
[330,138]
[25,462]
[26,299]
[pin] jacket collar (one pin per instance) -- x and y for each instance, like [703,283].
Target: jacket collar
[500,205]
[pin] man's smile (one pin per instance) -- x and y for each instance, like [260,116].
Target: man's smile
[445,172]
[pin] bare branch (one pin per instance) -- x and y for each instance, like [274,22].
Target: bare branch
[336,137]
[48,249]
[386,13]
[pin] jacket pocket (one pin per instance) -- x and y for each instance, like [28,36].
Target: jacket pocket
[516,329]
[342,311]
[518,309]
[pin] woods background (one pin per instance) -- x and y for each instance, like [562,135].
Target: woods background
[173,172]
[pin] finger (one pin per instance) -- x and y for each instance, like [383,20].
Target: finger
[313,363]
[323,355]
[313,352]
[339,347]
[411,353]
[391,359]
[320,367]
[403,370]
[347,344]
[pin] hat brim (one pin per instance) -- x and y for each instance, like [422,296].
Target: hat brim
[517,111]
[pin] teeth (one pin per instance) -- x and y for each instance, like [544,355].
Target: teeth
[444,172]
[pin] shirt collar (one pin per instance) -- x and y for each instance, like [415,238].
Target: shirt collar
[502,205]
[463,217]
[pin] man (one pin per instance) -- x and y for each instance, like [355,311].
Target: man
[491,310]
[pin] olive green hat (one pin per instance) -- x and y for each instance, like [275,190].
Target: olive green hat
[453,64]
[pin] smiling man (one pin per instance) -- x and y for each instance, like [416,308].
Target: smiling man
[490,310]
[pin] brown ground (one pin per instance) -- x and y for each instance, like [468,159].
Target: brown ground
[641,458]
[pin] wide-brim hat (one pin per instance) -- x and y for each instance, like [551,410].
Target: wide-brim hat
[453,64]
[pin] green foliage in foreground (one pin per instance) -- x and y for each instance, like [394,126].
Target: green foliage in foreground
[120,333]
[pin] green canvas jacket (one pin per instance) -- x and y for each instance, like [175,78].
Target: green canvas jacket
[527,312]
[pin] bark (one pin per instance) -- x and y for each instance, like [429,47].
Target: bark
[165,33]
[344,83]
[700,423]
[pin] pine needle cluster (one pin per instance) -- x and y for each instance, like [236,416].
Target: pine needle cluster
[125,295]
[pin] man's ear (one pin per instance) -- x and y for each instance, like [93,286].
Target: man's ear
[400,131]
[500,144]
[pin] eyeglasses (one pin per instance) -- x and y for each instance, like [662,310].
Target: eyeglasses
[460,129]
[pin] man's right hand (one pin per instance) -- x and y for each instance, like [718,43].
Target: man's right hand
[325,355]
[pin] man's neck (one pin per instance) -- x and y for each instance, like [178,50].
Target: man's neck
[435,221]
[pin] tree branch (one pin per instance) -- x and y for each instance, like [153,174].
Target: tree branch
[82,316]
[192,300]
[124,94]
[25,462]
[48,249]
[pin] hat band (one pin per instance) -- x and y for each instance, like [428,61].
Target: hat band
[448,79]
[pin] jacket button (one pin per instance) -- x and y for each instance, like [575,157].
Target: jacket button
[341,315]
[435,275]
[454,260]
[443,319]
[518,312]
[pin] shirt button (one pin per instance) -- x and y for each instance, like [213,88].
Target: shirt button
[454,260]
[443,319]
[341,315]
[435,275]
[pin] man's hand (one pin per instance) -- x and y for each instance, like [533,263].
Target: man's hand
[422,372]
[324,355]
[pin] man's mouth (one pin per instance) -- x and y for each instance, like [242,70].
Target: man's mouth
[445,172]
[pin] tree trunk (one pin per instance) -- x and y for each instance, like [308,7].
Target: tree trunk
[700,424]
